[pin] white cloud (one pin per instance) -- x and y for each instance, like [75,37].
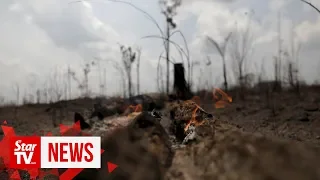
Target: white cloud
[39,35]
[308,30]
[216,19]
[276,5]
[16,7]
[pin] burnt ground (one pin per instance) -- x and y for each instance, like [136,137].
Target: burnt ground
[285,117]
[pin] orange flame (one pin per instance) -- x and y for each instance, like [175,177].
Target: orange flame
[137,108]
[221,98]
[193,120]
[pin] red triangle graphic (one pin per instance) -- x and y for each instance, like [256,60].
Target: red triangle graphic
[76,126]
[15,175]
[111,166]
[63,129]
[8,131]
[5,122]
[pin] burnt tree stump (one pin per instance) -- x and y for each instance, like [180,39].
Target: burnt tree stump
[180,86]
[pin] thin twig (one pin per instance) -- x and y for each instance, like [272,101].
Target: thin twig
[172,42]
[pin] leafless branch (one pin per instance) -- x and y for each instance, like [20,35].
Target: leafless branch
[310,4]
[179,48]
[222,51]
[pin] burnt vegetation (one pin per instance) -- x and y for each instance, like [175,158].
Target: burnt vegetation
[264,124]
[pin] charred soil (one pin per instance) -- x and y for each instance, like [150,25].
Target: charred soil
[253,139]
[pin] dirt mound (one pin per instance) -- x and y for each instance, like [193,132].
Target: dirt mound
[142,151]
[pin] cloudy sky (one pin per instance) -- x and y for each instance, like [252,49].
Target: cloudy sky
[40,38]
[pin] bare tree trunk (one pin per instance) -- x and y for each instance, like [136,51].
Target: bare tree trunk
[279,51]
[65,90]
[163,85]
[276,69]
[128,57]
[129,84]
[169,11]
[138,70]
[38,96]
[225,75]
[167,56]
[241,79]
[138,78]
[45,94]
[159,75]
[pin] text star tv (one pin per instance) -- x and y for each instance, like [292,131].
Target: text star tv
[55,152]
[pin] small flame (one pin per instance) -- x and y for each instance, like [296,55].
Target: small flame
[221,98]
[137,108]
[193,120]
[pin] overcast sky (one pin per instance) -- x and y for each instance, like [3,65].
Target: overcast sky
[39,37]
